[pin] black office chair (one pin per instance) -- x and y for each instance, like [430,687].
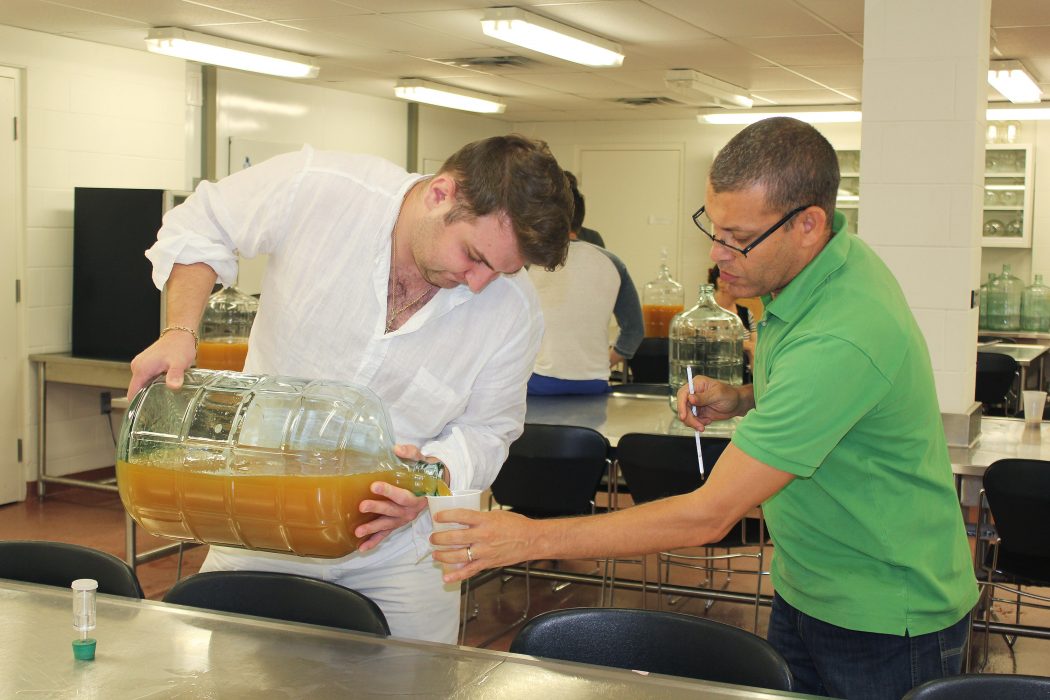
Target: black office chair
[1016,495]
[282,597]
[658,466]
[994,387]
[649,364]
[655,641]
[551,471]
[984,686]
[60,563]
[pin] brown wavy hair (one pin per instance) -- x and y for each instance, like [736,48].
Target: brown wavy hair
[519,178]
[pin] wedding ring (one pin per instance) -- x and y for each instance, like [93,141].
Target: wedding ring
[470,555]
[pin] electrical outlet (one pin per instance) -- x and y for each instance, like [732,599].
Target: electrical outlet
[105,402]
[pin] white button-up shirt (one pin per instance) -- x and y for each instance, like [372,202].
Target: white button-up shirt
[452,378]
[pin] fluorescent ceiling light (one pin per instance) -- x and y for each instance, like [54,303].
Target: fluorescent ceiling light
[1000,114]
[696,84]
[1014,82]
[194,46]
[516,26]
[836,115]
[445,96]
[850,113]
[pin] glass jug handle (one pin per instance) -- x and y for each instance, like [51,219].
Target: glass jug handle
[435,470]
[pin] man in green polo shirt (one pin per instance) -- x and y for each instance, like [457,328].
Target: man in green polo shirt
[841,442]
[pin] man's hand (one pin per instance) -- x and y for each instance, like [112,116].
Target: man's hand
[495,538]
[172,354]
[714,400]
[397,508]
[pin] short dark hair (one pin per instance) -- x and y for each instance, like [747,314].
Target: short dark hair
[794,162]
[519,178]
[712,274]
[579,209]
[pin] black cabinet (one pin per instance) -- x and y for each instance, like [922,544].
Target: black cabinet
[116,309]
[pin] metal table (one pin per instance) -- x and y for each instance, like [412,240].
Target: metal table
[615,415]
[155,650]
[1028,356]
[63,368]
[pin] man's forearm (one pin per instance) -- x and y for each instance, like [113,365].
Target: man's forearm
[187,290]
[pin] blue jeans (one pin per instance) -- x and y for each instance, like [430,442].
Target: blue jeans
[834,661]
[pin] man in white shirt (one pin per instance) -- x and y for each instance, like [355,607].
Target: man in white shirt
[381,278]
[577,300]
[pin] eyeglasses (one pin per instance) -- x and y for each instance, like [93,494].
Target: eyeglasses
[703,222]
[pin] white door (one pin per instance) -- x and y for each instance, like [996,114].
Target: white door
[633,200]
[12,479]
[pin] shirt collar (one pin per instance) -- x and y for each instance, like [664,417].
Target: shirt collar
[789,303]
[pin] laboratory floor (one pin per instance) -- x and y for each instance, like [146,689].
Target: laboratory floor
[96,519]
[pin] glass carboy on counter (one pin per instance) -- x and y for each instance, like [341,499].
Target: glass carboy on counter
[225,327]
[662,298]
[1035,307]
[261,462]
[707,338]
[1004,302]
[982,301]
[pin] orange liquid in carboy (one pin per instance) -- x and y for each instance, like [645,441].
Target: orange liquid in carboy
[658,319]
[307,515]
[211,355]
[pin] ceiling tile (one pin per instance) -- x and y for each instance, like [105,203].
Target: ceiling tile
[744,18]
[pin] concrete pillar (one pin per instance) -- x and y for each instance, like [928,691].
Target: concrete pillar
[924,96]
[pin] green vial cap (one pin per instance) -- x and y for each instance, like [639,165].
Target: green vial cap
[84,649]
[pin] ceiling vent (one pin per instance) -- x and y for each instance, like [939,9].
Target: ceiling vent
[646,101]
[489,62]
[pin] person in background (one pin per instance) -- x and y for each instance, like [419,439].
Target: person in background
[381,278]
[578,300]
[840,441]
[727,300]
[587,235]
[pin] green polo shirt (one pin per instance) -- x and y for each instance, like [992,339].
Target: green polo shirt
[869,536]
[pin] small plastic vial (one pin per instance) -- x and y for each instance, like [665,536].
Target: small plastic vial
[84,617]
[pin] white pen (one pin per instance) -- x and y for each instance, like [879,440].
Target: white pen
[696,433]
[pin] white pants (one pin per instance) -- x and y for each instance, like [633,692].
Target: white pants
[412,596]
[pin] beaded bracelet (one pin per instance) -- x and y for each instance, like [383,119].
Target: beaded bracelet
[192,332]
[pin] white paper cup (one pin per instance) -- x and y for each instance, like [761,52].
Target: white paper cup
[1034,403]
[466,498]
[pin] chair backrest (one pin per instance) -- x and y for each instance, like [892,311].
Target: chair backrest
[1018,493]
[650,364]
[552,470]
[983,686]
[995,376]
[61,563]
[657,466]
[282,597]
[655,641]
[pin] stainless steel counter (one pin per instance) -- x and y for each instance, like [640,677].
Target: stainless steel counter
[614,415]
[150,649]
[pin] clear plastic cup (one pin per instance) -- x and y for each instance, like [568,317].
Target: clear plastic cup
[1034,404]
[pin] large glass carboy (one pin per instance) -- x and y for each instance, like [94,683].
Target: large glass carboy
[708,339]
[1035,307]
[662,298]
[225,327]
[261,462]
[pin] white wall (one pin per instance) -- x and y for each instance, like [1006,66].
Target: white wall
[280,115]
[443,131]
[701,142]
[96,116]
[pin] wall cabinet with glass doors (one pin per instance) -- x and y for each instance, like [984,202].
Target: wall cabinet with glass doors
[848,201]
[1008,187]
